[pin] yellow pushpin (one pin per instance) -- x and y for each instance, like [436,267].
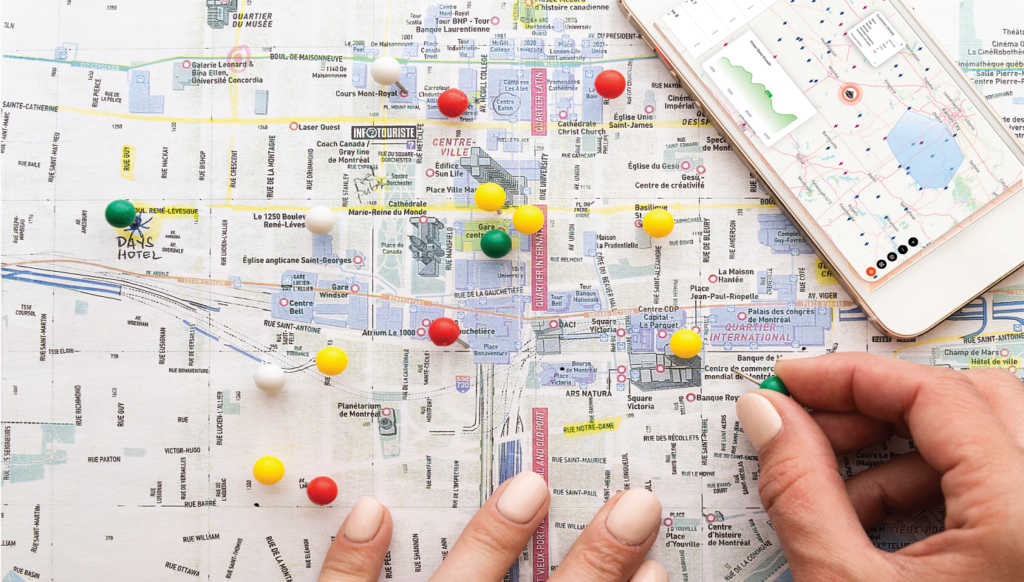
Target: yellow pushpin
[268,470]
[489,197]
[331,360]
[528,219]
[658,223]
[685,344]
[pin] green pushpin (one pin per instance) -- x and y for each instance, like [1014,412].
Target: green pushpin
[120,213]
[496,243]
[770,383]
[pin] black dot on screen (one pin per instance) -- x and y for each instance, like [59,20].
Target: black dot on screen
[256,504]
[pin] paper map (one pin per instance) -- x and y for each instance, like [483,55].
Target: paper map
[130,419]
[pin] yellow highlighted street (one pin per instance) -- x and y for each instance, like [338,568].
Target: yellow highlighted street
[596,426]
[128,162]
[823,274]
[336,119]
[995,362]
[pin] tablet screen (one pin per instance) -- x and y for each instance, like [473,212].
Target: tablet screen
[846,103]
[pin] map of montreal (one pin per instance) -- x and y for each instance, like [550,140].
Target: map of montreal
[130,419]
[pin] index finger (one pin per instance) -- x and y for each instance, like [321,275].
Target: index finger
[952,424]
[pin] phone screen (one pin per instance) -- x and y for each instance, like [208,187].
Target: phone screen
[867,130]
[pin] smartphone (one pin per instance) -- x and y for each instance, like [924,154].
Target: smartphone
[874,143]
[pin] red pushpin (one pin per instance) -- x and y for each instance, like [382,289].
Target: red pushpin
[444,331]
[452,103]
[610,84]
[322,490]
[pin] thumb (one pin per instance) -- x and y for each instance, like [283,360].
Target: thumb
[801,489]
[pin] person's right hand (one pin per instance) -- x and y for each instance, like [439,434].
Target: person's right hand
[968,429]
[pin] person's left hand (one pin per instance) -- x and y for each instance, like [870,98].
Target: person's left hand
[610,549]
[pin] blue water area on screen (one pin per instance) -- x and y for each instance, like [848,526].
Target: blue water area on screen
[926,149]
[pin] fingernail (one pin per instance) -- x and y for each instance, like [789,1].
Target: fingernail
[634,517]
[522,498]
[650,571]
[758,418]
[364,521]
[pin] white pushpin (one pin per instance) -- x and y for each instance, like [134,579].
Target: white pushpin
[269,378]
[387,71]
[320,220]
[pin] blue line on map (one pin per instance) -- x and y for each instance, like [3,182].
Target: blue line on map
[190,324]
[975,311]
[63,286]
[201,306]
[1008,307]
[244,353]
[1018,320]
[109,67]
[854,314]
[37,274]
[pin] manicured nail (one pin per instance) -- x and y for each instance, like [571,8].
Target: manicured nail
[650,571]
[758,418]
[634,517]
[364,521]
[522,498]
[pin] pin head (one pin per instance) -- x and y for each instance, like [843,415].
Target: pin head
[496,243]
[774,384]
[120,213]
[268,470]
[331,361]
[320,220]
[452,103]
[685,344]
[610,84]
[322,490]
[269,377]
[386,70]
[444,331]
[658,223]
[489,196]
[528,219]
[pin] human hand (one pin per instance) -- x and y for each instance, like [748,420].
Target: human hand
[610,549]
[969,433]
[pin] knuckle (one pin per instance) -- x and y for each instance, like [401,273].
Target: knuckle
[946,382]
[603,562]
[1009,379]
[781,483]
[350,568]
[491,536]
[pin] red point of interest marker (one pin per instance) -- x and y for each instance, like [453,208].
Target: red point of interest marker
[871,271]
[610,84]
[452,103]
[444,331]
[322,490]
